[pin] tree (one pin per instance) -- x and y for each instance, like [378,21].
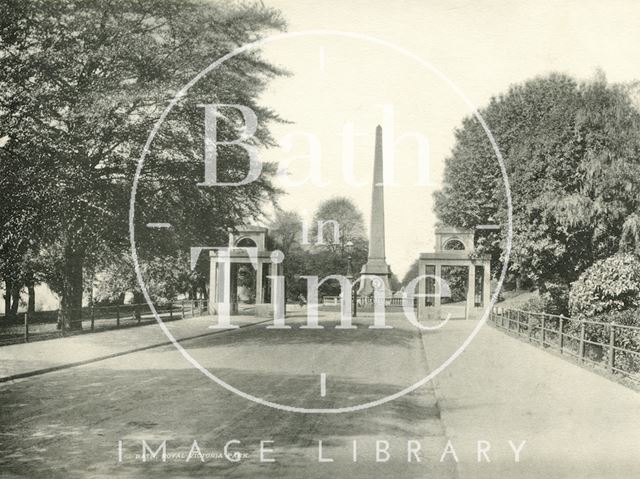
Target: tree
[394,282]
[285,231]
[84,82]
[348,220]
[166,278]
[324,259]
[331,257]
[412,273]
[572,156]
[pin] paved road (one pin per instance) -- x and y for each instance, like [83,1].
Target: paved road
[68,422]
[575,423]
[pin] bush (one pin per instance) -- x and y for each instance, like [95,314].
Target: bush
[624,338]
[612,284]
[553,301]
[535,305]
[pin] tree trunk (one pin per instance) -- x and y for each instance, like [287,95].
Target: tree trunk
[15,300]
[518,283]
[72,286]
[138,299]
[541,286]
[7,299]
[31,305]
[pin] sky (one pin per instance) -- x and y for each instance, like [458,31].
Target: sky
[339,87]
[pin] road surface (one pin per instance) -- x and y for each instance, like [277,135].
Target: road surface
[502,409]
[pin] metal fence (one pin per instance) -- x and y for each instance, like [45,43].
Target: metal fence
[610,347]
[58,323]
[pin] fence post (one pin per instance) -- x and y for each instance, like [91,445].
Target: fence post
[191,307]
[117,315]
[612,342]
[182,309]
[581,347]
[92,318]
[170,310]
[561,332]
[137,313]
[529,327]
[26,327]
[61,313]
[542,331]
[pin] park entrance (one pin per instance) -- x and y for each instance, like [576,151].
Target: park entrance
[459,281]
[243,275]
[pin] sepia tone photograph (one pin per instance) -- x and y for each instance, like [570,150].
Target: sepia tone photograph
[320,239]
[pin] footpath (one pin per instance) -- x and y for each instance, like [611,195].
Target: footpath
[29,359]
[576,424]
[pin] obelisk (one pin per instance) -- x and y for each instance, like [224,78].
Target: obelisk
[377,261]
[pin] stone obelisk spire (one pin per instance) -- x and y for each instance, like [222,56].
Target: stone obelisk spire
[377,261]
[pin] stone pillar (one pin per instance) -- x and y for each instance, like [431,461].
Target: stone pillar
[438,286]
[471,290]
[259,287]
[224,280]
[422,289]
[277,290]
[213,282]
[233,289]
[486,284]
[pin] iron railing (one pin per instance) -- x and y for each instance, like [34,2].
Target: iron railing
[610,347]
[53,324]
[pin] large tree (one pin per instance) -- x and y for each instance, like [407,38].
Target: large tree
[329,256]
[572,153]
[83,82]
[341,222]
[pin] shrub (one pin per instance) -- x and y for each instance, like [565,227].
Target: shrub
[553,301]
[612,284]
[535,305]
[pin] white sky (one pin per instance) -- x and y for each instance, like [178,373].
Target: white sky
[482,46]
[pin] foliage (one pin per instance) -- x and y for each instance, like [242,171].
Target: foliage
[83,83]
[630,238]
[624,338]
[394,282]
[456,278]
[285,232]
[411,273]
[554,300]
[348,218]
[331,257]
[612,284]
[320,260]
[165,278]
[572,155]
